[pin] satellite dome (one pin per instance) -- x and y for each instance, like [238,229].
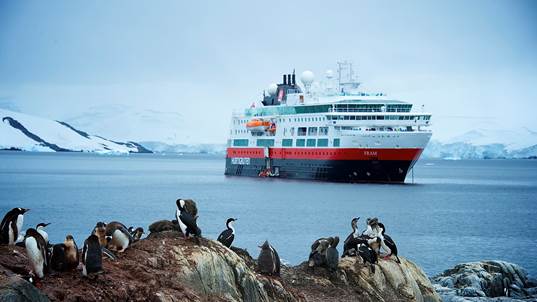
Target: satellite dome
[329,73]
[272,88]
[307,77]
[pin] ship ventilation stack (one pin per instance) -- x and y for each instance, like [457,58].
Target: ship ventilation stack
[289,79]
[285,79]
[294,80]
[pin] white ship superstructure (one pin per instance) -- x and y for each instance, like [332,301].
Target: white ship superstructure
[332,133]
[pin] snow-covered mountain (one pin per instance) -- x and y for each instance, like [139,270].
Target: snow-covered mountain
[20,131]
[485,143]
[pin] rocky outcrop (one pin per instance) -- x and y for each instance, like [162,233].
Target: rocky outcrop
[354,281]
[486,281]
[167,267]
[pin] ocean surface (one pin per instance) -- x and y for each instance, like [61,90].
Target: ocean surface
[455,211]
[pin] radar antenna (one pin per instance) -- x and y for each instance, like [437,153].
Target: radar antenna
[346,80]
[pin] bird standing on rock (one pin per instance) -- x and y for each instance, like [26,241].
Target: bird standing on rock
[227,236]
[268,261]
[388,244]
[332,255]
[186,221]
[100,232]
[71,252]
[11,226]
[36,249]
[92,259]
[350,246]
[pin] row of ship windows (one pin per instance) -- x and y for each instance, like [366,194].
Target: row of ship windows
[349,117]
[310,142]
[283,120]
[379,117]
[323,131]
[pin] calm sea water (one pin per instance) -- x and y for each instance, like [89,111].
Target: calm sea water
[456,211]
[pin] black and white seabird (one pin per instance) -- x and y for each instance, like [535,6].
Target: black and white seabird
[268,261]
[41,230]
[388,244]
[227,236]
[119,237]
[187,222]
[11,226]
[332,255]
[368,254]
[38,255]
[92,260]
[350,245]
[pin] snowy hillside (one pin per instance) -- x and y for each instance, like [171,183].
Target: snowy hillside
[25,132]
[482,143]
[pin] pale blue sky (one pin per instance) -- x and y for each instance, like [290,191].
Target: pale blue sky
[472,63]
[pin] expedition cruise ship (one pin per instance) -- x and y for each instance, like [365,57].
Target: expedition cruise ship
[326,131]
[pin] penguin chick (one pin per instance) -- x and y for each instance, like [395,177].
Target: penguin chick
[332,255]
[100,232]
[71,252]
[268,261]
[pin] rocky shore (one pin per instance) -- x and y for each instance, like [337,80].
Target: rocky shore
[486,281]
[166,267]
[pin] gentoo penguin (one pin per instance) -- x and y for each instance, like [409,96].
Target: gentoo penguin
[227,236]
[71,252]
[92,261]
[317,255]
[11,225]
[100,232]
[268,261]
[388,244]
[350,244]
[136,233]
[58,261]
[119,236]
[187,222]
[41,230]
[332,255]
[36,249]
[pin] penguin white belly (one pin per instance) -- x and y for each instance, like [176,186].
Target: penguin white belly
[84,271]
[11,235]
[35,256]
[120,240]
[182,226]
[20,221]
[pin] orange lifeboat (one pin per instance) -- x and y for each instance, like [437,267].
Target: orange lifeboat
[257,125]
